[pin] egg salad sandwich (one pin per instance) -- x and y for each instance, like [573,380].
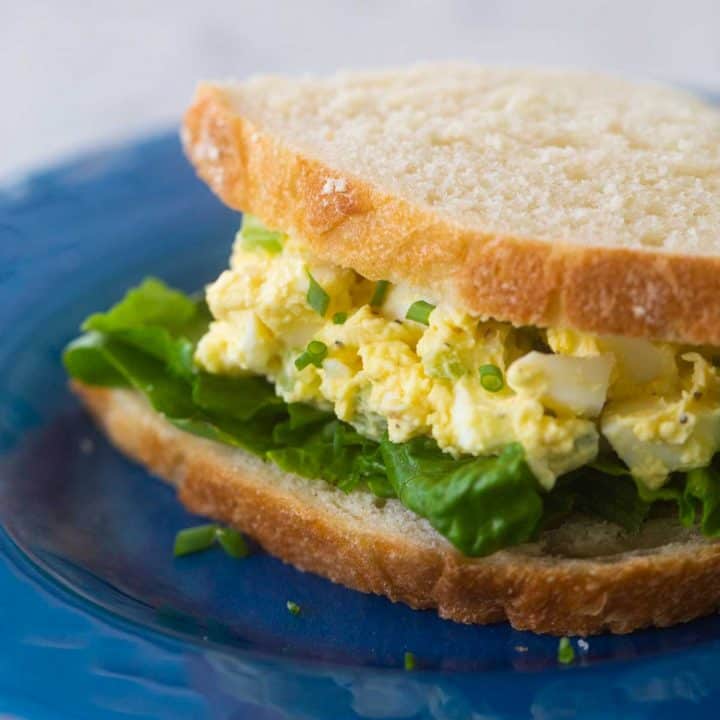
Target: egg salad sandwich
[466,352]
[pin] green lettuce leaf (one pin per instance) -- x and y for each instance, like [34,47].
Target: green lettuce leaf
[703,486]
[673,492]
[175,353]
[330,449]
[252,436]
[147,342]
[84,360]
[151,304]
[300,425]
[157,320]
[679,491]
[237,397]
[480,504]
[613,497]
[168,394]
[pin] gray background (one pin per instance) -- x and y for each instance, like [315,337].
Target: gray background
[74,74]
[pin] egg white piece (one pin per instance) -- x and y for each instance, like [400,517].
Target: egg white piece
[657,435]
[576,385]
[655,438]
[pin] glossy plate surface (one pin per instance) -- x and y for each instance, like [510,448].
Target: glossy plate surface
[97,620]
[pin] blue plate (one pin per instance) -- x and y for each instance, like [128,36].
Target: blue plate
[98,620]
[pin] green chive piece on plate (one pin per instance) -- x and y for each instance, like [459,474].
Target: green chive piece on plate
[195,539]
[232,542]
[566,653]
[409,661]
[293,607]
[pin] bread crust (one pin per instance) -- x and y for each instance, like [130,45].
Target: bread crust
[533,590]
[656,295]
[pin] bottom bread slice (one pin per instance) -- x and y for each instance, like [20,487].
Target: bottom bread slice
[583,578]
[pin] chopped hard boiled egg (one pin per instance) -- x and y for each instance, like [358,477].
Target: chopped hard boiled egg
[478,419]
[639,365]
[239,344]
[575,385]
[473,385]
[656,435]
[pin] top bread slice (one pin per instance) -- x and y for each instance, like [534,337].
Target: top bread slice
[536,197]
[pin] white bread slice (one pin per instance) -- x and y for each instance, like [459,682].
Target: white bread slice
[584,578]
[537,197]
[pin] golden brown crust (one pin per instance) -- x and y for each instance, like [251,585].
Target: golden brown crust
[544,593]
[521,280]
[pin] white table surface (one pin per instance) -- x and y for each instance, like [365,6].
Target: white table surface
[74,74]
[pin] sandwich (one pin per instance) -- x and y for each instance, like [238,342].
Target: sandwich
[466,351]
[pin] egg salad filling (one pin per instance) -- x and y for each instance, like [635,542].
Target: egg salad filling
[391,361]
[491,433]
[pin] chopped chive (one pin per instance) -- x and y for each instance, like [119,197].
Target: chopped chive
[255,235]
[314,354]
[317,298]
[491,378]
[339,318]
[232,542]
[566,654]
[194,539]
[203,537]
[293,607]
[409,661]
[303,360]
[378,296]
[420,312]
